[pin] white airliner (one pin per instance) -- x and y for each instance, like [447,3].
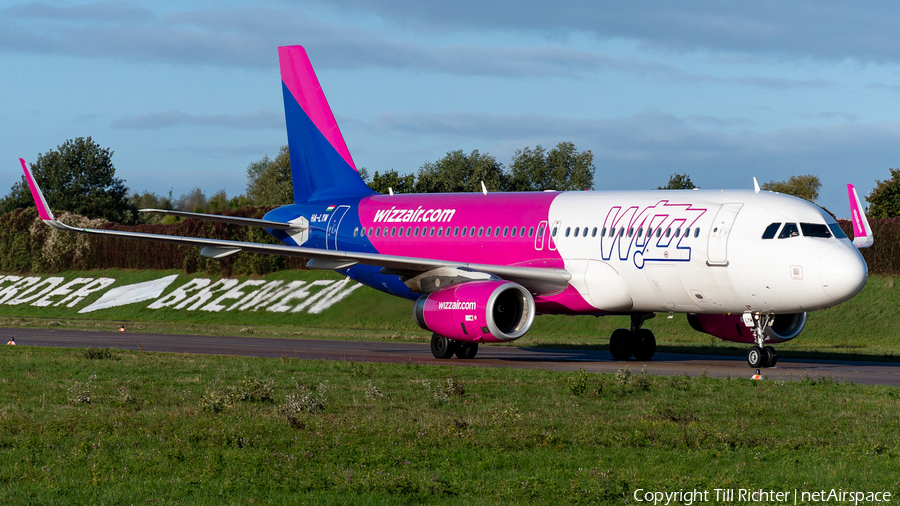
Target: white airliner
[745,266]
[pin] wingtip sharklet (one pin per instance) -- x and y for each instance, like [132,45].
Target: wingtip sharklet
[39,201]
[862,232]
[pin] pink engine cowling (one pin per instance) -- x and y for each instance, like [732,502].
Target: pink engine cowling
[477,311]
[731,327]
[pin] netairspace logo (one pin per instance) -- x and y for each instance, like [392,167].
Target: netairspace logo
[198,294]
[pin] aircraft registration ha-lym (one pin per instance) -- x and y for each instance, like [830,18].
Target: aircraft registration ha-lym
[744,265]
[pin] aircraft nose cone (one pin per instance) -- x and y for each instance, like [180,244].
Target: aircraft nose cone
[844,273]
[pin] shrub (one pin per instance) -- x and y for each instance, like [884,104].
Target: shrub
[81,392]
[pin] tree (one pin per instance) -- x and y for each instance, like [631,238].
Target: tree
[78,177]
[269,181]
[805,187]
[884,199]
[562,168]
[679,182]
[391,180]
[460,172]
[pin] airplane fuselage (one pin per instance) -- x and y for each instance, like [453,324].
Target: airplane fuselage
[652,251]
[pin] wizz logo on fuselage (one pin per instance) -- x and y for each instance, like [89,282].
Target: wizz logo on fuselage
[652,234]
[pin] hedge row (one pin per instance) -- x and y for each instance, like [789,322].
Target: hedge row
[28,245]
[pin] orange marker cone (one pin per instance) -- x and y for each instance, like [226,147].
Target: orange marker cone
[756,376]
[122,328]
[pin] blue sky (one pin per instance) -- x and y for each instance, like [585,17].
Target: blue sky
[187,93]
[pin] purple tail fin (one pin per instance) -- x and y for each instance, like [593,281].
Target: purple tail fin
[321,166]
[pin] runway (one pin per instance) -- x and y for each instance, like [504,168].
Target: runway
[663,364]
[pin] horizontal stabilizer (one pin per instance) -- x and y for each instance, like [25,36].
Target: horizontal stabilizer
[233,220]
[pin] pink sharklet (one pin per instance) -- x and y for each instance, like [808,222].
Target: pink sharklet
[300,78]
[859,229]
[43,209]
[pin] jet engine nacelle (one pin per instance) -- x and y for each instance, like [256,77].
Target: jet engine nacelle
[784,327]
[477,311]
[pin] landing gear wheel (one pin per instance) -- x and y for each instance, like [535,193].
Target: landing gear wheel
[756,357]
[467,350]
[441,347]
[771,356]
[621,344]
[645,345]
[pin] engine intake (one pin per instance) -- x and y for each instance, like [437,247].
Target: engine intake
[477,311]
[784,327]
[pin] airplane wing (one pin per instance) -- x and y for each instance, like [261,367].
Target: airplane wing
[537,280]
[233,220]
[862,232]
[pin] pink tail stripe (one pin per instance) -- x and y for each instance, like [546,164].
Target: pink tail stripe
[300,78]
[42,207]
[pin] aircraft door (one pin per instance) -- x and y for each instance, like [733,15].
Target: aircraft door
[539,236]
[720,230]
[552,240]
[331,231]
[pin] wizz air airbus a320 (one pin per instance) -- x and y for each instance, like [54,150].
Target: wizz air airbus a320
[745,266]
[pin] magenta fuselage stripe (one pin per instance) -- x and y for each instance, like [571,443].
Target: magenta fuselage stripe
[418,214]
[43,212]
[300,78]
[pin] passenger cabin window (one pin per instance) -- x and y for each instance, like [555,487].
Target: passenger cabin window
[497,232]
[568,229]
[577,230]
[512,232]
[553,232]
[789,230]
[658,232]
[505,231]
[837,231]
[440,232]
[594,232]
[630,231]
[480,231]
[488,233]
[815,230]
[455,231]
[603,232]
[771,230]
[355,231]
[687,232]
[464,231]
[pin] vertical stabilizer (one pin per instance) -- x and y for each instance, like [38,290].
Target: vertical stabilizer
[321,166]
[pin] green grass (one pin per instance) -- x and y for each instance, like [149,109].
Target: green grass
[380,435]
[866,327]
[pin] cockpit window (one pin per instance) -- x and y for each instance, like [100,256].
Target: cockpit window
[771,230]
[837,231]
[815,230]
[789,230]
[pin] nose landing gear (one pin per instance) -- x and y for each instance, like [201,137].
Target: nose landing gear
[761,355]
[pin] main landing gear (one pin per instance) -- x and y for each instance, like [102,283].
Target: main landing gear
[761,355]
[444,348]
[637,341]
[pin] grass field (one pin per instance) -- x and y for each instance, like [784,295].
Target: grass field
[866,327]
[114,427]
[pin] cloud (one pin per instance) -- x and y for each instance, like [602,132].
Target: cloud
[631,150]
[262,119]
[801,29]
[245,38]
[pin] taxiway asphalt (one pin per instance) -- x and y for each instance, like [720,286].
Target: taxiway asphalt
[663,364]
